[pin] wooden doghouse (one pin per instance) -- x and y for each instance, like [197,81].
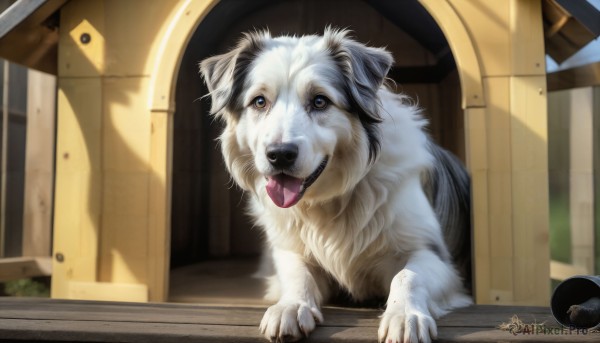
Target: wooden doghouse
[137,168]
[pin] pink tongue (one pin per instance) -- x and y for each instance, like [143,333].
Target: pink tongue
[284,190]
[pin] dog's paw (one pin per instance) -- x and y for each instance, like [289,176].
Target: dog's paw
[289,322]
[402,325]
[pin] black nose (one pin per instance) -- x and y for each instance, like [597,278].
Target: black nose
[282,155]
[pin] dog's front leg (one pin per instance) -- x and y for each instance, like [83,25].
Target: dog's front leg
[425,284]
[296,313]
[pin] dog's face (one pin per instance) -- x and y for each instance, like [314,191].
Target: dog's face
[301,113]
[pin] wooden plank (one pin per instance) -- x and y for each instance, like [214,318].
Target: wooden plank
[39,164]
[76,58]
[4,155]
[16,268]
[480,316]
[500,189]
[85,321]
[78,182]
[128,43]
[15,14]
[527,38]
[477,162]
[596,154]
[218,282]
[577,77]
[562,271]
[581,172]
[464,49]
[488,25]
[28,34]
[108,291]
[167,50]
[529,183]
[159,205]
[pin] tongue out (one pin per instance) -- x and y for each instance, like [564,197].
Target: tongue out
[284,190]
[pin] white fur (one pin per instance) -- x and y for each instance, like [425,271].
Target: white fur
[366,227]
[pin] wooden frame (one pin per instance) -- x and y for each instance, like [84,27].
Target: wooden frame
[116,101]
[38,181]
[24,267]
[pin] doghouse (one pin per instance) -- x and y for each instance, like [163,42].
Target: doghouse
[140,189]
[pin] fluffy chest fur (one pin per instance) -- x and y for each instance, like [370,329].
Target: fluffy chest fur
[362,234]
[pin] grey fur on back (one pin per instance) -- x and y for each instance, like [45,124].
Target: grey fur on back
[448,187]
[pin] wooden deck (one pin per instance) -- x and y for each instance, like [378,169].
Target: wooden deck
[45,320]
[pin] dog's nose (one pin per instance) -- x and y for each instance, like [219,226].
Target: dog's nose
[282,155]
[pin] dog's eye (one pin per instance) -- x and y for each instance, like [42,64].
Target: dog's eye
[259,102]
[320,102]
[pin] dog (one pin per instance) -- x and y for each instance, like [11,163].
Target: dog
[351,192]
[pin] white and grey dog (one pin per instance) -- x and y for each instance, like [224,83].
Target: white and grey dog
[347,186]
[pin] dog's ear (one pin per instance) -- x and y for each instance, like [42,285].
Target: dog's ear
[225,74]
[363,71]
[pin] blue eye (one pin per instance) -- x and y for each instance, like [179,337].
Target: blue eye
[259,102]
[320,102]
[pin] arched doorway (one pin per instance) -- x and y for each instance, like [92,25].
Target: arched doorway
[207,220]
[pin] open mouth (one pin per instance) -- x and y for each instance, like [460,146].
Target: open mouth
[286,190]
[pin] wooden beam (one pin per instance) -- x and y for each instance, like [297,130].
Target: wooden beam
[16,268]
[581,179]
[562,271]
[107,291]
[29,33]
[39,164]
[17,13]
[50,320]
[584,76]
[4,155]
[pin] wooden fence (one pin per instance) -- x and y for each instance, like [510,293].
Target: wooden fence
[27,164]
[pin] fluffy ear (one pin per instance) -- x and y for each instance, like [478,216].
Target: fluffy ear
[363,71]
[225,74]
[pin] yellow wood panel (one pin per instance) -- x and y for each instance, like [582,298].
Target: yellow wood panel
[501,237]
[499,187]
[463,49]
[167,51]
[76,58]
[126,135]
[107,291]
[527,38]
[530,190]
[124,227]
[78,182]
[128,41]
[126,147]
[498,121]
[159,204]
[39,164]
[481,237]
[477,162]
[488,24]
[476,139]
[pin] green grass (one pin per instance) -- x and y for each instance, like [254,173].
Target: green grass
[560,233]
[26,288]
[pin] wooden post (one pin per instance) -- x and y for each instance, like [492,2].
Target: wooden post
[506,146]
[78,185]
[39,164]
[4,156]
[582,178]
[112,216]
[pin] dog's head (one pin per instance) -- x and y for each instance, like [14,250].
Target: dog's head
[299,112]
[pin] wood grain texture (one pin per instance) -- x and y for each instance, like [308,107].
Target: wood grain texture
[44,320]
[39,164]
